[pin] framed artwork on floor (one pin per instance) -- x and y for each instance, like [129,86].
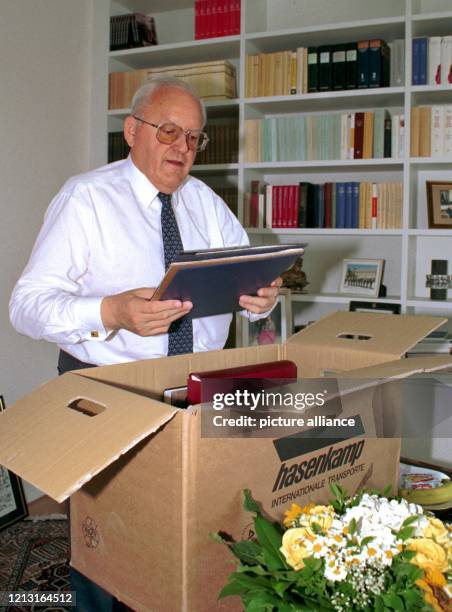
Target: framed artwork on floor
[13,506]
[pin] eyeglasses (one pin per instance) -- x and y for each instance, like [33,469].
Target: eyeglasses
[169,132]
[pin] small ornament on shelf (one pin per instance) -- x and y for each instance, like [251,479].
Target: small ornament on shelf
[295,278]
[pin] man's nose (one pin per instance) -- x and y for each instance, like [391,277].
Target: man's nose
[181,143]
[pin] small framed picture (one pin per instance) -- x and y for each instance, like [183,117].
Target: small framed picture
[13,506]
[439,204]
[362,276]
[275,328]
[384,308]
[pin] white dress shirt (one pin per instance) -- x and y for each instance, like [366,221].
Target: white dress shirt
[101,236]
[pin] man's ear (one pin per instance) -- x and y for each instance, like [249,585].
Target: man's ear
[130,126]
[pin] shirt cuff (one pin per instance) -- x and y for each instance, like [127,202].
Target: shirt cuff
[87,314]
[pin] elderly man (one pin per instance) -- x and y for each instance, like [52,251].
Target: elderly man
[108,237]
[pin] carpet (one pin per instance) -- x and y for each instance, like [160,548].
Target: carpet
[34,557]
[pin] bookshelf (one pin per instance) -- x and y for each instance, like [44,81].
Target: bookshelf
[277,25]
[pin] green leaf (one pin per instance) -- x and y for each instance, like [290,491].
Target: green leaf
[270,538]
[379,604]
[313,563]
[387,491]
[249,503]
[366,540]
[410,520]
[316,528]
[352,526]
[406,533]
[280,587]
[262,601]
[393,601]
[247,551]
[233,588]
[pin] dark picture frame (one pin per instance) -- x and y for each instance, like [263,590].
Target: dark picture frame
[439,204]
[13,506]
[385,308]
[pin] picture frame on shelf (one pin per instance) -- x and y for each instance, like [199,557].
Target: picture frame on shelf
[361,276]
[439,204]
[383,308]
[13,506]
[275,328]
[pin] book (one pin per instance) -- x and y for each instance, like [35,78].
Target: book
[359,135]
[351,65]
[368,131]
[446,61]
[325,68]
[437,131]
[214,279]
[363,64]
[388,135]
[340,205]
[415,69]
[199,390]
[423,60]
[434,60]
[425,119]
[378,75]
[312,69]
[397,63]
[339,79]
[415,131]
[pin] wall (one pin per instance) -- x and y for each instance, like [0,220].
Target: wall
[45,70]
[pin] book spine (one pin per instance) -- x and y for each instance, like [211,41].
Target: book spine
[293,72]
[359,136]
[415,131]
[446,61]
[375,63]
[268,206]
[416,61]
[437,131]
[374,206]
[425,121]
[355,205]
[368,135]
[395,136]
[397,60]
[423,49]
[387,135]
[434,60]
[340,205]
[348,204]
[363,64]
[255,188]
[339,62]
[327,196]
[447,147]
[325,68]
[300,66]
[351,65]
[313,82]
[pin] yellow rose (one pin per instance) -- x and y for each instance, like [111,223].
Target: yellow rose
[434,577]
[436,531]
[294,546]
[322,515]
[428,554]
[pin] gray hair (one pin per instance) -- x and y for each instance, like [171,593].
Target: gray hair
[144,94]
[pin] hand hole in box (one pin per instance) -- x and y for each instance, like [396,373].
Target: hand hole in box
[86,407]
[354,337]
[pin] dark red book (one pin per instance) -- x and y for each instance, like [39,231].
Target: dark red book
[359,135]
[255,190]
[199,390]
[327,198]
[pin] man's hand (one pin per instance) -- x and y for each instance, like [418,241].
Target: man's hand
[133,310]
[265,299]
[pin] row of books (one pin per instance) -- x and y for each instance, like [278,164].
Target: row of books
[361,135]
[339,205]
[223,146]
[215,18]
[132,30]
[229,195]
[211,80]
[432,61]
[309,69]
[117,146]
[431,131]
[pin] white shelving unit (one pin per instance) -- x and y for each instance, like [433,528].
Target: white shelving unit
[276,25]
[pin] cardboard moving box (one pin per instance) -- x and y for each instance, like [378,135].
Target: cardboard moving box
[147,489]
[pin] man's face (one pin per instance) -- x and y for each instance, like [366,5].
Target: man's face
[165,166]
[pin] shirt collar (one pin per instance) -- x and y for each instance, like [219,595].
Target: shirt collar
[144,191]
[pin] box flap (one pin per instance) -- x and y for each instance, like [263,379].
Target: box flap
[66,431]
[400,368]
[369,332]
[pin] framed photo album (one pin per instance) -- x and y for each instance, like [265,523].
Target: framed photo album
[439,204]
[275,328]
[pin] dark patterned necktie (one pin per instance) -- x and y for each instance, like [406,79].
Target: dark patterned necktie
[180,333]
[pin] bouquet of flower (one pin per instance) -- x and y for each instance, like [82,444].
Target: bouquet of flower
[367,552]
